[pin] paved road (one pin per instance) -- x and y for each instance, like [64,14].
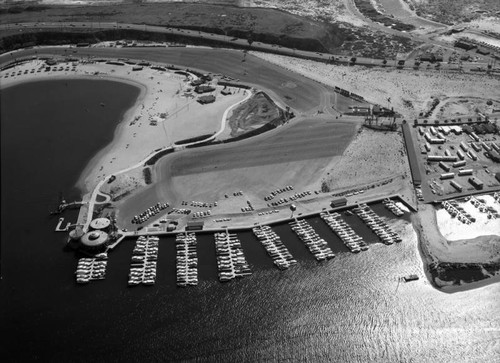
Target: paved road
[242,42]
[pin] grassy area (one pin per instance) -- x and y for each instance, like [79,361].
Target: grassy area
[454,11]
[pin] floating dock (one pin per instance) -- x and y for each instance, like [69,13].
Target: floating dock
[231,261]
[91,268]
[351,240]
[316,245]
[282,258]
[144,258]
[186,260]
[377,225]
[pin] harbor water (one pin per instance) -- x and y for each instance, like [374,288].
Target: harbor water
[351,308]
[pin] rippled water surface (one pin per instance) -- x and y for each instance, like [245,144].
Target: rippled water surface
[351,308]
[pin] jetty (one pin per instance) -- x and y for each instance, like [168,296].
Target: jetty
[316,245]
[351,239]
[231,261]
[377,225]
[143,264]
[91,268]
[186,259]
[282,258]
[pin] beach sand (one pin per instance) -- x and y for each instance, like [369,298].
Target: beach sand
[166,98]
[409,91]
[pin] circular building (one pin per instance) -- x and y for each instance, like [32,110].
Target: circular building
[76,234]
[95,240]
[100,223]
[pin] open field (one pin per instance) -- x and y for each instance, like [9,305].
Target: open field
[293,154]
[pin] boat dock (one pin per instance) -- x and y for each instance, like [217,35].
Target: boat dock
[377,225]
[186,260]
[231,261]
[143,264]
[351,239]
[282,258]
[316,245]
[91,268]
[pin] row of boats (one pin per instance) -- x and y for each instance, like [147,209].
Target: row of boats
[231,261]
[282,258]
[143,262]
[91,268]
[376,224]
[393,207]
[316,245]
[455,210]
[186,259]
[481,205]
[351,239]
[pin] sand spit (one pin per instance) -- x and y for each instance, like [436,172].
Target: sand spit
[408,90]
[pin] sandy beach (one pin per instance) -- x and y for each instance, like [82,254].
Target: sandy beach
[166,111]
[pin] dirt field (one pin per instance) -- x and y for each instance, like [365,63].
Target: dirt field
[256,112]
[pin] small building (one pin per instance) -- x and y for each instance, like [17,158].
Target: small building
[476,183]
[206,99]
[338,202]
[447,176]
[472,155]
[434,158]
[465,172]
[476,146]
[197,82]
[464,146]
[457,186]
[460,155]
[495,156]
[225,92]
[194,225]
[458,164]
[100,223]
[444,166]
[204,89]
[95,241]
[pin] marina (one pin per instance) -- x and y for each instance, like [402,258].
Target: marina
[353,241]
[144,259]
[316,245]
[91,268]
[231,262]
[282,258]
[377,225]
[186,259]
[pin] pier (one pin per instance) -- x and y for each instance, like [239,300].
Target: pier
[91,268]
[143,264]
[282,258]
[351,240]
[186,260]
[231,261]
[377,225]
[316,245]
